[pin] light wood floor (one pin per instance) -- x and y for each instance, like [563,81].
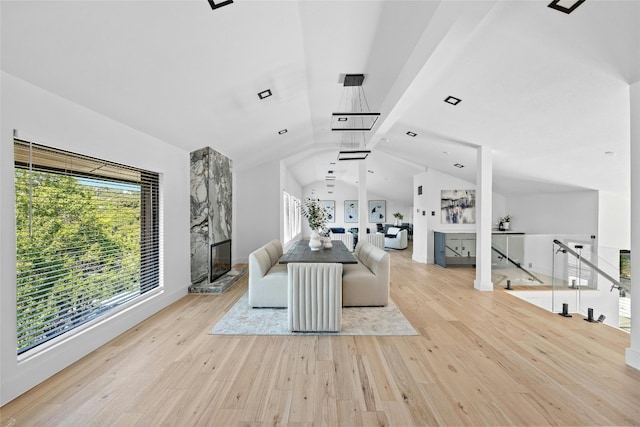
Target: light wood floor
[482,358]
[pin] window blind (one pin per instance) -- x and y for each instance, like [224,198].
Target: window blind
[88,239]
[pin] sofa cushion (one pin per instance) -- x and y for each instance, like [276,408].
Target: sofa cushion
[276,243]
[337,230]
[259,263]
[272,250]
[392,232]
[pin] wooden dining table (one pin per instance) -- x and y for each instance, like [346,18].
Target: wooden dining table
[301,252]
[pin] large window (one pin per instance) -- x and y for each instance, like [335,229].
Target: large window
[292,216]
[87,240]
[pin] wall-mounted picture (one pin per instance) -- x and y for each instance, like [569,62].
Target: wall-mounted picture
[377,211]
[330,208]
[458,206]
[351,211]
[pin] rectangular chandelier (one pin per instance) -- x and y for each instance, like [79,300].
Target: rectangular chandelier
[353,121]
[353,154]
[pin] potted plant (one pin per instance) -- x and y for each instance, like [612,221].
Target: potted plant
[398,216]
[317,218]
[505,223]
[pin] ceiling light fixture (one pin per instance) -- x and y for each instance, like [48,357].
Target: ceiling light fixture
[353,154]
[412,134]
[566,6]
[264,94]
[282,132]
[354,112]
[452,100]
[215,5]
[458,165]
[330,178]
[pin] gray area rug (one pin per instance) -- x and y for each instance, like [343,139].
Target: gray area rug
[244,320]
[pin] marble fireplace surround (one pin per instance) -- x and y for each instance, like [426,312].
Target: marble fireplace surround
[211,214]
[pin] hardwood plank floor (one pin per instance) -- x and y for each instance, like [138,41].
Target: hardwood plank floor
[482,358]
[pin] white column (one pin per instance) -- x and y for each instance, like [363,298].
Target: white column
[633,352]
[363,209]
[484,184]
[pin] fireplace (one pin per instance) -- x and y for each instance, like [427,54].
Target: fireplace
[220,259]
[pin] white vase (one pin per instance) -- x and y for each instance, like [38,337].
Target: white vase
[315,242]
[327,242]
[506,226]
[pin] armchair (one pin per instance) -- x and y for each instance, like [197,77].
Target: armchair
[395,238]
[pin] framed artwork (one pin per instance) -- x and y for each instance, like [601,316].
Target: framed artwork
[351,211]
[377,211]
[458,206]
[330,208]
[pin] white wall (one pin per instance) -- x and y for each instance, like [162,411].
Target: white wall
[343,191]
[421,211]
[433,182]
[257,208]
[573,212]
[48,119]
[614,221]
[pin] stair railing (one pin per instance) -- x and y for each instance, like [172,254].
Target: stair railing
[615,283]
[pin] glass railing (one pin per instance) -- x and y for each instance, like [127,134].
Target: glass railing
[563,274]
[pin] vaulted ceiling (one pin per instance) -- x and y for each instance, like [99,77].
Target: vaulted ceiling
[546,90]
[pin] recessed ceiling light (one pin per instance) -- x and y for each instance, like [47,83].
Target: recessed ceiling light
[370,171]
[330,178]
[446,153]
[331,185]
[282,132]
[412,134]
[332,163]
[215,5]
[330,192]
[566,6]
[458,165]
[452,100]
[264,94]
[609,153]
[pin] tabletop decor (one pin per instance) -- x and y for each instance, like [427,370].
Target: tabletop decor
[316,216]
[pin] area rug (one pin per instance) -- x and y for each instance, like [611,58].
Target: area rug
[244,320]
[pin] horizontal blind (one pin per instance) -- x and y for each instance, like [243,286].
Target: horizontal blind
[87,239]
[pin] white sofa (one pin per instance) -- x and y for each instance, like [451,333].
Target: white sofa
[395,238]
[267,278]
[367,282]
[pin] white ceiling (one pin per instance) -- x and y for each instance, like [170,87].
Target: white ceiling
[549,92]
